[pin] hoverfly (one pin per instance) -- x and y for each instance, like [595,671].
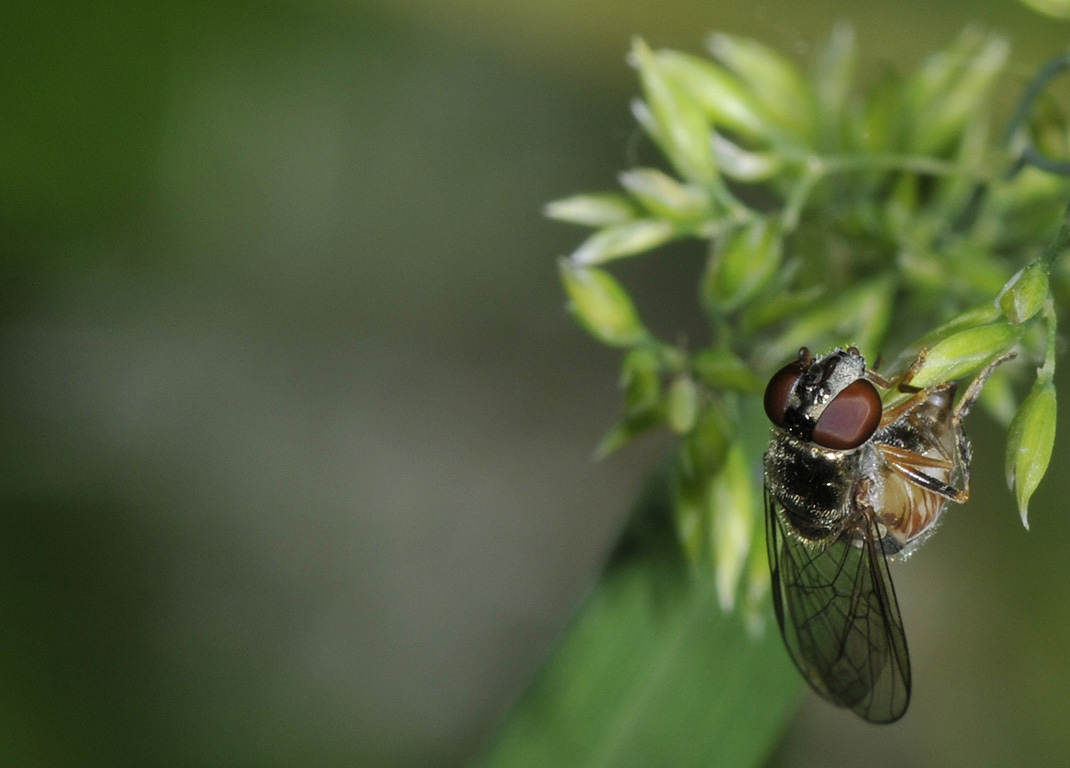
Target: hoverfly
[850,483]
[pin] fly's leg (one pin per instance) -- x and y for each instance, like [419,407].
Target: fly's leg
[907,465]
[901,384]
[969,397]
[897,411]
[963,455]
[902,380]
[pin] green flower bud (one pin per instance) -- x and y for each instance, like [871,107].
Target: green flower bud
[682,405]
[979,315]
[625,239]
[1025,294]
[743,165]
[1029,444]
[1060,9]
[775,82]
[881,122]
[689,513]
[664,196]
[755,606]
[965,352]
[942,68]
[725,100]
[700,458]
[597,210]
[641,379]
[833,77]
[1022,209]
[679,122]
[742,266]
[952,87]
[733,511]
[601,305]
[702,451]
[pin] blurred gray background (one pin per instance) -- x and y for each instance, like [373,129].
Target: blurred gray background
[296,433]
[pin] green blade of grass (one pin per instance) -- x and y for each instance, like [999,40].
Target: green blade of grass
[651,671]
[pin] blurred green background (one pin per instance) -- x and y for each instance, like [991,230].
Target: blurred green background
[295,430]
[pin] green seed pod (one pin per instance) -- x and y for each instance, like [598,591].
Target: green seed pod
[1025,294]
[774,81]
[641,379]
[832,80]
[733,512]
[724,99]
[755,605]
[880,123]
[601,305]
[595,210]
[965,352]
[1029,444]
[979,315]
[680,124]
[700,457]
[682,405]
[664,196]
[742,164]
[953,86]
[1060,9]
[625,239]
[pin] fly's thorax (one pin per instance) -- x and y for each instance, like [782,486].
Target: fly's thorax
[928,429]
[815,486]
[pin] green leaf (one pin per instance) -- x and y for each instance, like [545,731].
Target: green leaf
[651,672]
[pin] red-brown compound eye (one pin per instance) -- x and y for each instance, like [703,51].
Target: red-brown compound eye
[850,419]
[779,390]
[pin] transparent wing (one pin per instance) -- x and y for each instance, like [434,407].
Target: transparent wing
[839,617]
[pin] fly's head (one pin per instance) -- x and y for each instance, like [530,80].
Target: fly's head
[828,401]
